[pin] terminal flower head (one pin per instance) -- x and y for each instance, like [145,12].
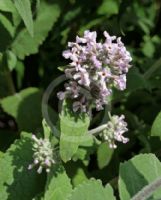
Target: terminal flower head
[97,67]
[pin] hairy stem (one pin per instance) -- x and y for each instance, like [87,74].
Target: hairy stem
[148,190]
[152,69]
[97,130]
[100,128]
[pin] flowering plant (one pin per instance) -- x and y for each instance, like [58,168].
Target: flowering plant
[79,120]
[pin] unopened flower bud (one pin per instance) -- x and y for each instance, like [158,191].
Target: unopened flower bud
[43,154]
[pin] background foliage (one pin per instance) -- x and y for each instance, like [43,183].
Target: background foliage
[33,34]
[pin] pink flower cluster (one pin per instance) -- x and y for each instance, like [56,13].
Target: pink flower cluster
[116,127]
[95,67]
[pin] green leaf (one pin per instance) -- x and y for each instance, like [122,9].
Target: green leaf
[20,69]
[24,9]
[25,107]
[104,155]
[6,6]
[156,127]
[5,88]
[92,189]
[11,60]
[24,44]
[137,173]
[58,184]
[8,61]
[5,33]
[1,154]
[109,7]
[79,177]
[148,47]
[46,128]
[135,80]
[16,181]
[86,147]
[7,24]
[9,18]
[73,128]
[109,192]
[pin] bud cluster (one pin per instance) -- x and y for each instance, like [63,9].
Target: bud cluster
[43,154]
[96,67]
[114,131]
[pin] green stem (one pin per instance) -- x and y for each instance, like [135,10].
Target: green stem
[97,130]
[100,128]
[10,82]
[148,190]
[152,69]
[114,182]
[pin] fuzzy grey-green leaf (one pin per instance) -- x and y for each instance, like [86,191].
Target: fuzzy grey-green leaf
[24,44]
[58,184]
[104,155]
[92,189]
[156,126]
[25,107]
[73,128]
[16,181]
[137,173]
